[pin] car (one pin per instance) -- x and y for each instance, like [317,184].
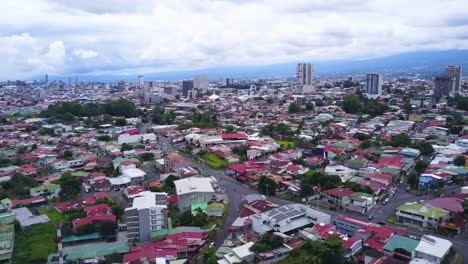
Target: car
[418,194]
[381,223]
[370,217]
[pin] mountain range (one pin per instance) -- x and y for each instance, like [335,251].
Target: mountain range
[423,62]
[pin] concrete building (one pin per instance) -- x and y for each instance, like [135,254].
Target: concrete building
[135,175]
[187,86]
[454,74]
[48,191]
[193,190]
[141,81]
[423,215]
[239,254]
[374,84]
[433,249]
[171,90]
[304,78]
[288,218]
[147,213]
[201,82]
[441,86]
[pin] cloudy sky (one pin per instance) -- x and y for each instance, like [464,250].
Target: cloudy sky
[64,37]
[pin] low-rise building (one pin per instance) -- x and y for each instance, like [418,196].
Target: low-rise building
[423,215]
[49,191]
[433,249]
[193,190]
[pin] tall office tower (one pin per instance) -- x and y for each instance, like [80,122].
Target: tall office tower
[201,82]
[148,213]
[442,86]
[46,78]
[304,78]
[454,73]
[170,90]
[228,82]
[374,84]
[141,81]
[187,85]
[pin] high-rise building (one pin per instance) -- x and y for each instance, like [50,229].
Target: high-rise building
[187,85]
[454,73]
[441,86]
[228,82]
[46,78]
[141,81]
[374,84]
[304,78]
[201,82]
[147,213]
[170,90]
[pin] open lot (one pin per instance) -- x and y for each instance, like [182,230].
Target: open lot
[35,244]
[286,144]
[213,161]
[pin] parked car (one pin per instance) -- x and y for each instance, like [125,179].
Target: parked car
[418,194]
[381,223]
[370,217]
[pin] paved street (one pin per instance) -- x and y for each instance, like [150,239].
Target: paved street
[236,191]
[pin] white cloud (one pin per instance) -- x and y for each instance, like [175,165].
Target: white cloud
[127,36]
[85,53]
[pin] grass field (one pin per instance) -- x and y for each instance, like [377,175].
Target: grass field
[213,161]
[35,244]
[54,215]
[286,144]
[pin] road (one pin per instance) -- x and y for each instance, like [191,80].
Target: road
[236,191]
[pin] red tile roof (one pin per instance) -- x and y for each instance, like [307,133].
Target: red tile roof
[233,136]
[339,192]
[449,204]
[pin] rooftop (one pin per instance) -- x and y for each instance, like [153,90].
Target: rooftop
[193,184]
[423,210]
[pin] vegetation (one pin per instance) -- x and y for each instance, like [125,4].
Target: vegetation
[241,151]
[70,187]
[267,242]
[209,256]
[18,187]
[401,140]
[424,147]
[286,144]
[148,156]
[199,219]
[214,161]
[318,252]
[413,179]
[294,108]
[459,161]
[160,116]
[35,244]
[420,166]
[357,104]
[280,129]
[312,179]
[267,186]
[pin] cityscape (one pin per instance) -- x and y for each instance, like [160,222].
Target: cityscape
[219,152]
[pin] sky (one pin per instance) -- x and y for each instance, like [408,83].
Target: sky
[90,37]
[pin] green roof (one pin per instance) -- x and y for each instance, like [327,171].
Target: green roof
[5,201]
[215,209]
[50,186]
[7,218]
[402,242]
[201,205]
[423,210]
[389,170]
[164,232]
[359,196]
[80,174]
[92,251]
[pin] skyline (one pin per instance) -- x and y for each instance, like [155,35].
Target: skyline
[141,37]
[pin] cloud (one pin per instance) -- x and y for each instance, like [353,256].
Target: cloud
[91,37]
[85,53]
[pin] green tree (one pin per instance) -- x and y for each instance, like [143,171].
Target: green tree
[126,147]
[86,229]
[169,181]
[120,122]
[309,105]
[118,210]
[424,147]
[420,166]
[230,129]
[401,140]
[148,156]
[294,108]
[70,188]
[209,256]
[459,161]
[267,186]
[351,104]
[413,179]
[108,228]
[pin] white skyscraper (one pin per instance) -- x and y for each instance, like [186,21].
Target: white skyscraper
[305,78]
[141,81]
[374,84]
[454,73]
[201,82]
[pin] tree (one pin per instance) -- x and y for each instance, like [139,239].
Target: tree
[401,140]
[267,186]
[365,144]
[126,147]
[459,161]
[120,122]
[420,166]
[309,105]
[200,218]
[169,181]
[209,256]
[351,104]
[424,147]
[413,179]
[269,101]
[294,108]
[107,228]
[67,154]
[267,242]
[118,210]
[70,188]
[230,129]
[147,156]
[86,229]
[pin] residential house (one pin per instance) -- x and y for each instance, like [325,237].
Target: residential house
[193,190]
[48,191]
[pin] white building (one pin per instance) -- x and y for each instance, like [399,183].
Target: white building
[193,190]
[304,78]
[135,175]
[287,218]
[27,219]
[147,213]
[141,81]
[239,254]
[128,139]
[341,171]
[201,82]
[433,249]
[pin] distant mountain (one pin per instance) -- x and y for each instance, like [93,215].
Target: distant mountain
[427,62]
